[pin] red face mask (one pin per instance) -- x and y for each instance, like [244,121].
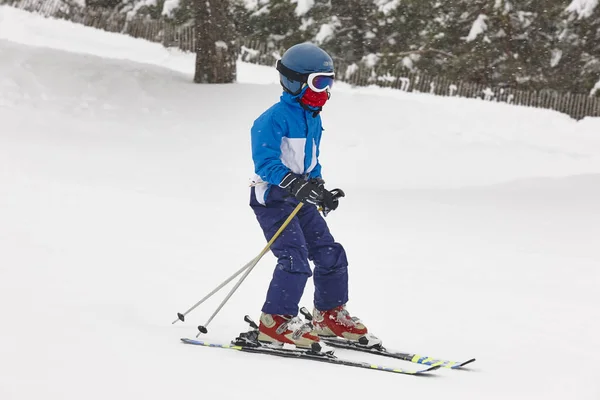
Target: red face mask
[314,99]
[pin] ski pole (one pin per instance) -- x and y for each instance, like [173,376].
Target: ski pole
[202,328]
[181,316]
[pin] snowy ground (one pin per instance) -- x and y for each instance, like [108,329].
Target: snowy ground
[472,228]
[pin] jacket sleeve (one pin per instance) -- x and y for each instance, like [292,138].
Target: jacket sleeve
[316,172]
[267,134]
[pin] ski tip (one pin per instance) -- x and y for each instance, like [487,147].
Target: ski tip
[424,371]
[458,366]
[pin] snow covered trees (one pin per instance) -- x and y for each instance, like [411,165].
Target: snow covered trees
[521,44]
[582,37]
[506,43]
[275,23]
[355,30]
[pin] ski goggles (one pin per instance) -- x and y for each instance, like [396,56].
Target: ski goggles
[316,81]
[320,81]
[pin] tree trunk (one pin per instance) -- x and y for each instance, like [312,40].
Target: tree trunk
[216,49]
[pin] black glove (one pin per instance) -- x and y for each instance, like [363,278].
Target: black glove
[303,190]
[330,200]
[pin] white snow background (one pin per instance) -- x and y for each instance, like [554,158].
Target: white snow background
[472,230]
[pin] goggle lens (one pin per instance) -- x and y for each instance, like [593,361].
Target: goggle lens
[322,82]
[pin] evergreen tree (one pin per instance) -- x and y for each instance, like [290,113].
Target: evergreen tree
[181,15]
[354,29]
[319,23]
[504,42]
[275,23]
[412,35]
[582,38]
[241,19]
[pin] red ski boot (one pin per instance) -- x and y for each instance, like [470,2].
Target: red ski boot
[280,329]
[337,322]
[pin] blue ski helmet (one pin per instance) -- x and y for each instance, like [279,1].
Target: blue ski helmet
[299,61]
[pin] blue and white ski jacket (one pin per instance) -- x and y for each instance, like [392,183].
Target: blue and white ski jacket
[285,138]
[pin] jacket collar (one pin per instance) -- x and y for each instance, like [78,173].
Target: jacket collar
[294,101]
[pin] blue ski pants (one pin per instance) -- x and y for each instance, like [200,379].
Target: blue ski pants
[307,237]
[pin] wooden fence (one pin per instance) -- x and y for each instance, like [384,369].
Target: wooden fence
[577,105]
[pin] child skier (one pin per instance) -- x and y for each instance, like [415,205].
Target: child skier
[285,151]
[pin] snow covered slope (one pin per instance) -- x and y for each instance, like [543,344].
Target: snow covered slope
[472,229]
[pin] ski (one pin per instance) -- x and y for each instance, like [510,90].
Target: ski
[307,355]
[382,351]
